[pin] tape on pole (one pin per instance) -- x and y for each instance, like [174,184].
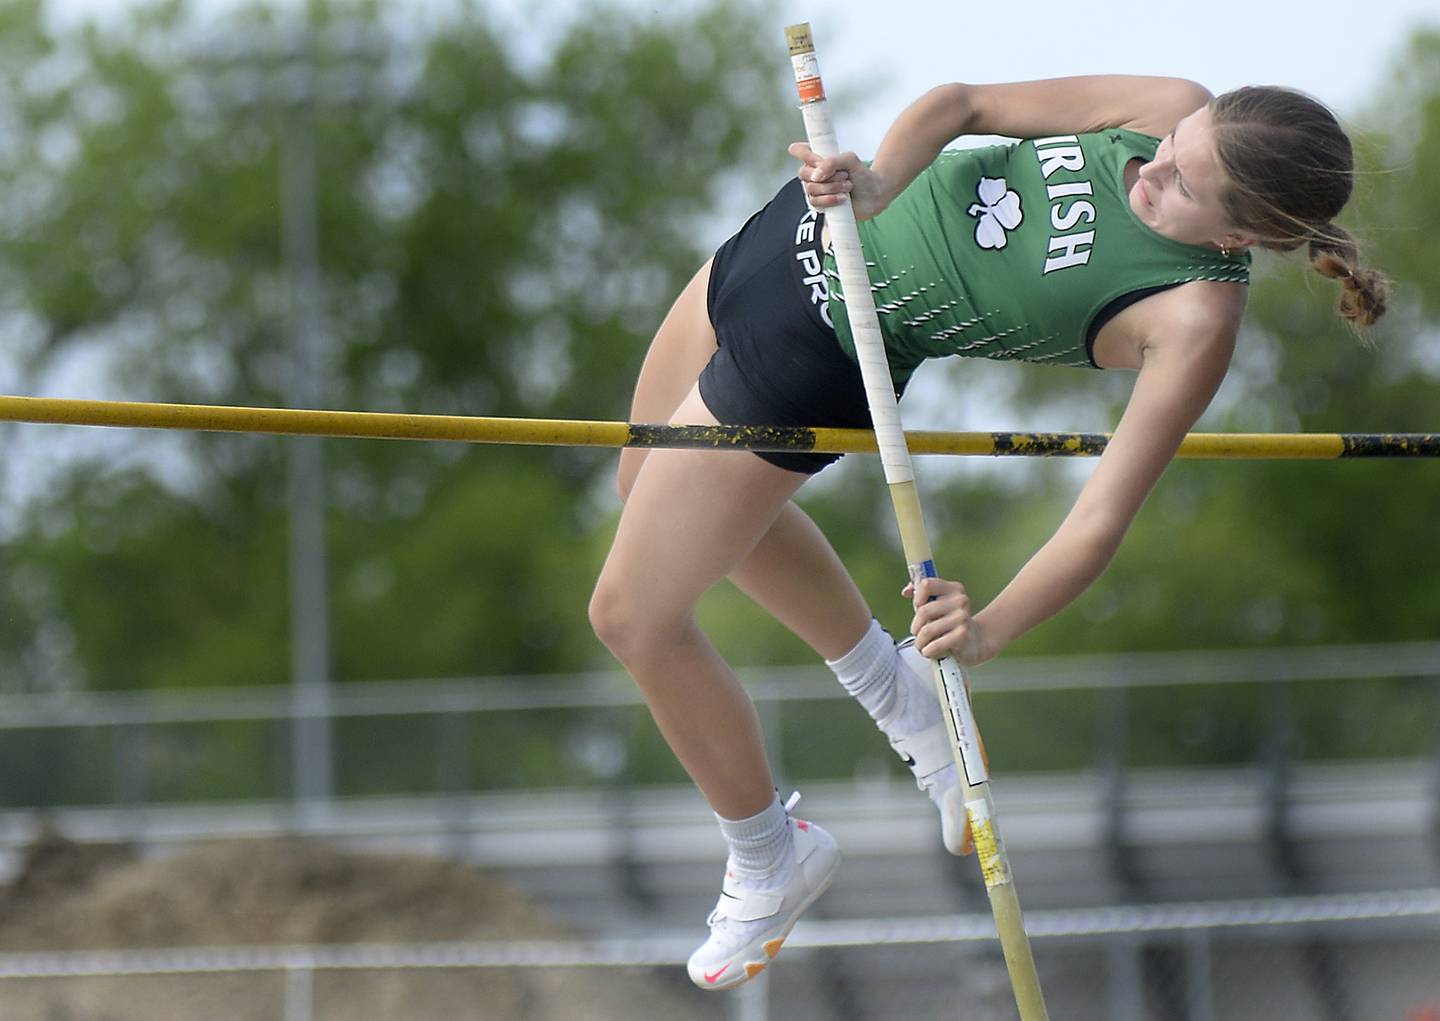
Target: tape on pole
[859,302]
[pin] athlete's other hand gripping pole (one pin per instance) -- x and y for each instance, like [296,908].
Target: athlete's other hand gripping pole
[895,457]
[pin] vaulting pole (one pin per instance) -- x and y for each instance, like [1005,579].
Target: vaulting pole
[895,457]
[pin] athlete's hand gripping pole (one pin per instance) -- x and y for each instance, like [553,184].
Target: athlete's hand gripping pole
[895,456]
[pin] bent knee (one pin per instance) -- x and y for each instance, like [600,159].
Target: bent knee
[614,616]
[627,623]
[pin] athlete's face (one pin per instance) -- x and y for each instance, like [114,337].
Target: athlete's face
[1178,193]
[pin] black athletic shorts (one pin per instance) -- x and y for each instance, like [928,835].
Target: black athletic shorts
[779,362]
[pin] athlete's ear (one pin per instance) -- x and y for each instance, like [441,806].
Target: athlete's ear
[1237,241]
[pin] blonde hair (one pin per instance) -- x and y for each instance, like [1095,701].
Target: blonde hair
[1292,169]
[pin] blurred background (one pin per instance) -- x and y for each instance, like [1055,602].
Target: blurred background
[312,697]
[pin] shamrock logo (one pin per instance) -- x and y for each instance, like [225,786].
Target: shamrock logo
[998,210]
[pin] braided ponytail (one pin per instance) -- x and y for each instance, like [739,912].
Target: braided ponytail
[1291,170]
[1333,254]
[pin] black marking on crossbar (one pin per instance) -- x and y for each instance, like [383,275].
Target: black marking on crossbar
[714,437]
[1390,444]
[1051,444]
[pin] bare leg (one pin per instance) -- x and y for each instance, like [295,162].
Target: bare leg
[793,572]
[691,518]
[796,575]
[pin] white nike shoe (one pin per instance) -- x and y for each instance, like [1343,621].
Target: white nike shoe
[751,921]
[927,751]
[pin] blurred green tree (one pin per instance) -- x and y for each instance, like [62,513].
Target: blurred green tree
[500,232]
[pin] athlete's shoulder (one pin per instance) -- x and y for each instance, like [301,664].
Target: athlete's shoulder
[1200,318]
[1195,313]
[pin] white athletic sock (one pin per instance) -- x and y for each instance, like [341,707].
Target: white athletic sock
[759,845]
[868,671]
[916,706]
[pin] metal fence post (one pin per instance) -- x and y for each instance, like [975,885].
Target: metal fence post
[1199,991]
[1115,756]
[1127,1002]
[1280,736]
[300,993]
[1435,767]
[751,1002]
[452,781]
[129,783]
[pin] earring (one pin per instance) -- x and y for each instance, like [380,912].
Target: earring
[1224,249]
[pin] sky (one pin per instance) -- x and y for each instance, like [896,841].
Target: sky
[1336,51]
[896,50]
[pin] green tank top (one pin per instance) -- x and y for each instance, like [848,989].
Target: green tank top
[1011,251]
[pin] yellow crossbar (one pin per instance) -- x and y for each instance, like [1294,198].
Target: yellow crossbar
[568,433]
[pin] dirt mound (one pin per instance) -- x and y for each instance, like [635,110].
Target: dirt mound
[53,867]
[73,897]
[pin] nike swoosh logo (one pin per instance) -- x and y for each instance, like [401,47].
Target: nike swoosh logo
[711,977]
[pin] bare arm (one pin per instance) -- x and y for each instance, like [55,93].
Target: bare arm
[1177,380]
[1018,110]
[1057,106]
